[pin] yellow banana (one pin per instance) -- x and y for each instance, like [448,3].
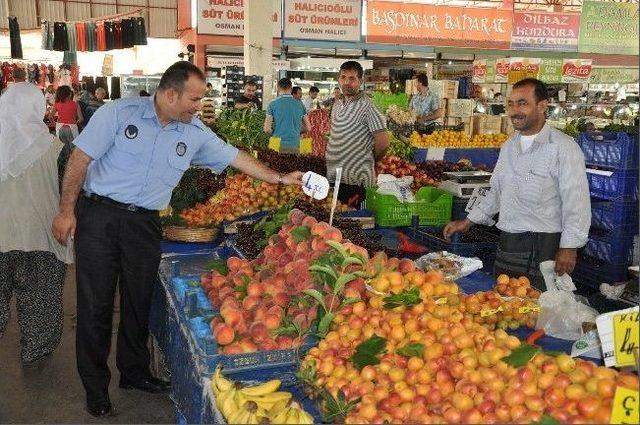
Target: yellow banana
[292,416]
[240,416]
[267,401]
[277,408]
[305,418]
[220,382]
[262,389]
[221,397]
[280,417]
[252,419]
[229,405]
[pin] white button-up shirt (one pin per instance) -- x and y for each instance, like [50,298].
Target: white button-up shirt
[543,189]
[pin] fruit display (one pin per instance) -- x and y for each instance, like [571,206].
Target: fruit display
[320,121]
[242,195]
[287,162]
[242,128]
[196,185]
[456,139]
[512,287]
[399,147]
[261,403]
[270,302]
[414,352]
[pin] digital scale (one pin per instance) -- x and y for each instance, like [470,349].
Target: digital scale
[463,183]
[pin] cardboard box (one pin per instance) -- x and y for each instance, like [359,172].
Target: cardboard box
[487,124]
[444,88]
[410,87]
[460,108]
[468,124]
[507,125]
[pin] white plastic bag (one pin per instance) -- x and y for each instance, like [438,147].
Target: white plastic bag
[398,187]
[452,266]
[561,314]
[553,281]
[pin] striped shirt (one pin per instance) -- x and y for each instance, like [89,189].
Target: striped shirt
[543,189]
[354,122]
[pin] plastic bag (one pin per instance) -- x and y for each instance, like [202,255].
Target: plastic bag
[398,187]
[561,314]
[452,266]
[552,280]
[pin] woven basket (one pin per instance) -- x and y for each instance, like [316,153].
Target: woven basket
[190,234]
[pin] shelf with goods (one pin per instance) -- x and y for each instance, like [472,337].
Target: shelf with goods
[412,338]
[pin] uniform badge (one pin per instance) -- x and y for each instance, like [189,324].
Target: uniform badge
[181,148]
[131,132]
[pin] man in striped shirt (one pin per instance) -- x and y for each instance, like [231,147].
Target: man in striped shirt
[539,187]
[358,137]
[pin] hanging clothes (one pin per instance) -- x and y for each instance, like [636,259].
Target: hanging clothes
[110,35]
[140,32]
[90,29]
[71,37]
[118,34]
[81,37]
[45,35]
[69,58]
[102,82]
[128,33]
[60,37]
[115,88]
[51,28]
[42,80]
[14,38]
[101,37]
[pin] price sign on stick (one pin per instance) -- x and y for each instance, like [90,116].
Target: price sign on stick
[315,185]
[336,189]
[479,193]
[625,338]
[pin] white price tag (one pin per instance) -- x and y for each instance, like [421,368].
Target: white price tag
[479,193]
[315,185]
[435,154]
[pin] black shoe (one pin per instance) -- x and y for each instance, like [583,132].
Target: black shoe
[99,408]
[150,385]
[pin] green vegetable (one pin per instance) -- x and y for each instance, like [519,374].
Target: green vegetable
[400,148]
[407,297]
[367,352]
[301,233]
[242,128]
[521,355]
[411,350]
[384,100]
[219,265]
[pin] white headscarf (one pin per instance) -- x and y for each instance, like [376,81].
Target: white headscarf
[24,137]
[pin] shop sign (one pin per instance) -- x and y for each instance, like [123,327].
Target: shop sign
[323,19]
[226,17]
[521,68]
[412,23]
[551,71]
[545,31]
[502,70]
[479,71]
[576,70]
[609,28]
[223,61]
[614,75]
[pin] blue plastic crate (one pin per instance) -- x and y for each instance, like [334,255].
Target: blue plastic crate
[593,275]
[616,185]
[616,151]
[486,251]
[618,217]
[610,248]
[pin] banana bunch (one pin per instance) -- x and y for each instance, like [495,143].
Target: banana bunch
[257,404]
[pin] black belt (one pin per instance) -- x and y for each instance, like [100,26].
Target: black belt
[120,205]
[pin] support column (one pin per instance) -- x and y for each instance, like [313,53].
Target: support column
[258,48]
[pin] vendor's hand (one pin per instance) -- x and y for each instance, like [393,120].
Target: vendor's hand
[64,224]
[565,260]
[455,227]
[294,178]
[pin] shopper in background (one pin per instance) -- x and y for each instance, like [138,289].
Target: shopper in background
[337,95]
[308,100]
[296,92]
[127,161]
[67,110]
[32,263]
[18,75]
[209,92]
[358,137]
[50,95]
[285,116]
[425,104]
[250,98]
[95,102]
[539,187]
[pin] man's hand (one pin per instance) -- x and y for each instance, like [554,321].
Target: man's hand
[294,178]
[64,224]
[455,227]
[565,260]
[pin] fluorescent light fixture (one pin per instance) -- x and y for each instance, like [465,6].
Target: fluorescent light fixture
[194,13]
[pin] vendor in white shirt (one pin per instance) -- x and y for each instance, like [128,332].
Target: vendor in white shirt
[539,187]
[307,101]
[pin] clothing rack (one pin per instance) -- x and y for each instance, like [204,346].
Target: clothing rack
[136,12]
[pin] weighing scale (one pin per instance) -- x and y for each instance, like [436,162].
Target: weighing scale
[463,183]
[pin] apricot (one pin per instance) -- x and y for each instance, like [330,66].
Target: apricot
[223,334]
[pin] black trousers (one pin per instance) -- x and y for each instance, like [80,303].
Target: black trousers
[114,247]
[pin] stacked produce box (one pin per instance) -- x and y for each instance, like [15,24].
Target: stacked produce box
[612,172]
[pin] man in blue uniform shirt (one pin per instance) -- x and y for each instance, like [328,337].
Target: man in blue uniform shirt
[128,160]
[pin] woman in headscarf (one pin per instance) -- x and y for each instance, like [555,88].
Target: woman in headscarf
[32,262]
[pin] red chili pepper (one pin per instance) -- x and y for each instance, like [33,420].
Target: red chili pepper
[534,336]
[406,245]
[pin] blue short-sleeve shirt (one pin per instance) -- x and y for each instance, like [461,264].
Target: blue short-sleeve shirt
[137,161]
[287,114]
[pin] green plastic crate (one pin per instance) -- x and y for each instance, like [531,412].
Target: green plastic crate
[432,206]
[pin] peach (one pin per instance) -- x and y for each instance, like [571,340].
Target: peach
[255,289]
[234,263]
[309,221]
[249,302]
[406,266]
[281,299]
[272,321]
[224,334]
[284,342]
[247,346]
[258,332]
[333,234]
[231,316]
